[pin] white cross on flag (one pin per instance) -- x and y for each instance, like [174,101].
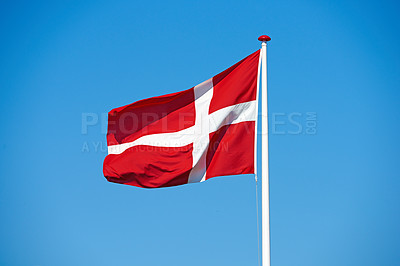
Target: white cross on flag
[189,136]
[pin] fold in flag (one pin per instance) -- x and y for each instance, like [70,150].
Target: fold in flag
[188,136]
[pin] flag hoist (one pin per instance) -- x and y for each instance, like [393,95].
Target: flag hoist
[266,250]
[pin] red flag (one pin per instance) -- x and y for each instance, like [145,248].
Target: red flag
[189,136]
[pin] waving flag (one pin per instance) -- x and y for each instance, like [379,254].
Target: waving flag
[189,136]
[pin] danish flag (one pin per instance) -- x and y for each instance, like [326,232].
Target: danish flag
[189,136]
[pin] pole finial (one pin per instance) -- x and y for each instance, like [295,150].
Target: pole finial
[264,38]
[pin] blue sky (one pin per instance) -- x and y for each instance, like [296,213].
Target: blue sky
[333,66]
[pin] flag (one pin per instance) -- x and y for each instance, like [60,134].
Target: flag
[188,136]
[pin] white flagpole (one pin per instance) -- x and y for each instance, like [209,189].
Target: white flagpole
[265,237]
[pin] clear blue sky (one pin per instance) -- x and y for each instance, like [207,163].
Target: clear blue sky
[335,194]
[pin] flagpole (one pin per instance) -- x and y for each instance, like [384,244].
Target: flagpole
[265,235]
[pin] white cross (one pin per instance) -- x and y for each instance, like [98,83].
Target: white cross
[198,134]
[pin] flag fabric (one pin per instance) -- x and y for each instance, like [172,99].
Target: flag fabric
[189,136]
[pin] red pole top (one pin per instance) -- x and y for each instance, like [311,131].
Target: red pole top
[264,38]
